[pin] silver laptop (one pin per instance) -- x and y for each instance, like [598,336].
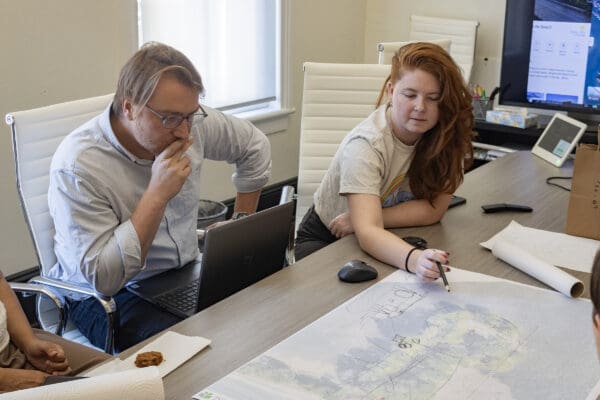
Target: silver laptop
[235,256]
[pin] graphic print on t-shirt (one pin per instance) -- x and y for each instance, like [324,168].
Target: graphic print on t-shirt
[394,194]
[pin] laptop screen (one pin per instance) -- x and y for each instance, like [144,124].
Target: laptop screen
[244,251]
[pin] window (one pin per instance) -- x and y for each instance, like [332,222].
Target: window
[234,44]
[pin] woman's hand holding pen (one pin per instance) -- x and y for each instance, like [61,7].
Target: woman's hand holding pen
[423,263]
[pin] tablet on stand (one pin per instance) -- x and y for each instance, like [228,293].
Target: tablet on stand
[559,139]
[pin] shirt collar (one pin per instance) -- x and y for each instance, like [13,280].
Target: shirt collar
[112,138]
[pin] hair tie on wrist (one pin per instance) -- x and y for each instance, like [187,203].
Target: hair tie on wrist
[406,260]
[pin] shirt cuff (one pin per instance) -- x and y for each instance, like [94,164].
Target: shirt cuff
[247,185]
[130,248]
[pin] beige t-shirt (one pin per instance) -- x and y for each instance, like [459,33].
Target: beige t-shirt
[370,160]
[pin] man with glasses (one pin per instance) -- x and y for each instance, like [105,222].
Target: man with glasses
[124,188]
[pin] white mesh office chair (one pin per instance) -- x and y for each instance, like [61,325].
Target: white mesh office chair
[336,97]
[462,33]
[386,50]
[35,136]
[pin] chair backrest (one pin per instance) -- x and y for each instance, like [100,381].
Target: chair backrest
[463,34]
[386,50]
[336,97]
[36,135]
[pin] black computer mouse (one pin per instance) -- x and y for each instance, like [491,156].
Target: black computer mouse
[357,271]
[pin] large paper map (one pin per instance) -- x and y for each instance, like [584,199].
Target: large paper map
[401,339]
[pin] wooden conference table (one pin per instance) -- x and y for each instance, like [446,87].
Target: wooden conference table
[253,320]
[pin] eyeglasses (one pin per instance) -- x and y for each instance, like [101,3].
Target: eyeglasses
[172,121]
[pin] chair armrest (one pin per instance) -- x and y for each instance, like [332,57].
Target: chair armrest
[288,194]
[107,303]
[68,288]
[58,300]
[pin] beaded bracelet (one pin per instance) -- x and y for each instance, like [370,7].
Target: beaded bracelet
[406,260]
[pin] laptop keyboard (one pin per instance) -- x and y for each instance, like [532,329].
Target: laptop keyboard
[181,298]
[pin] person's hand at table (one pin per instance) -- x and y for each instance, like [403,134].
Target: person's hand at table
[424,264]
[341,225]
[47,357]
[12,379]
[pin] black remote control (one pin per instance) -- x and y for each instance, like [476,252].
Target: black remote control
[500,207]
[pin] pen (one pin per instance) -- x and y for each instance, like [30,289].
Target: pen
[443,276]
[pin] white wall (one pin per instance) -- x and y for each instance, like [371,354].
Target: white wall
[52,51]
[388,20]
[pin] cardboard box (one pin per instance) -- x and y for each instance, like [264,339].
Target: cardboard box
[510,118]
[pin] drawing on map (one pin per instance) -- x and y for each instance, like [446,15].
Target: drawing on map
[402,339]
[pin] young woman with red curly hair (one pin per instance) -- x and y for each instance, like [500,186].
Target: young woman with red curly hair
[400,166]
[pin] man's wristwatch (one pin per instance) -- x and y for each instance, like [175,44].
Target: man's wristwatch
[239,215]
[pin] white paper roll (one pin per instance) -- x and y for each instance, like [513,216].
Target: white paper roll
[541,270]
[140,384]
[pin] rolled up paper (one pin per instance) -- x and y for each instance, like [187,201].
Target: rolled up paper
[139,384]
[549,274]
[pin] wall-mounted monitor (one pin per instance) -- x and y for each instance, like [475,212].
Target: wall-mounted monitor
[551,55]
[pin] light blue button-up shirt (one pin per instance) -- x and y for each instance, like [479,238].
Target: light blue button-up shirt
[96,184]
